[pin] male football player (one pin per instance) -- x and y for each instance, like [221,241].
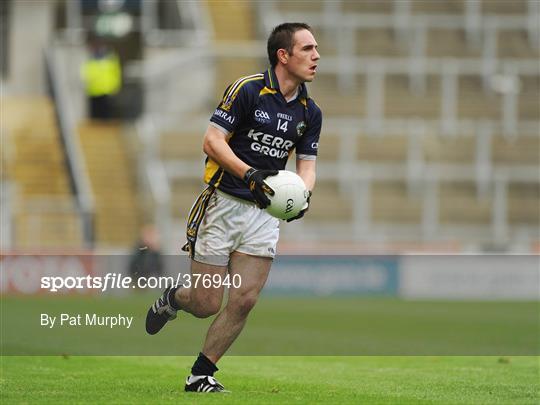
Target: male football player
[261,119]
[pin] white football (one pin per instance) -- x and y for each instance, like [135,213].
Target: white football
[290,194]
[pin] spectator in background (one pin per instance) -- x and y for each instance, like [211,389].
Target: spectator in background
[146,260]
[102,76]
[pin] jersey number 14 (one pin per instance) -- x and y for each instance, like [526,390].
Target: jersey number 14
[282,126]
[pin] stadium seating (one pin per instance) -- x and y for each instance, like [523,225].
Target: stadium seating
[44,210]
[523,203]
[113,183]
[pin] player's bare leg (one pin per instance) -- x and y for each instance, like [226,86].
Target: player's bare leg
[198,300]
[202,302]
[231,320]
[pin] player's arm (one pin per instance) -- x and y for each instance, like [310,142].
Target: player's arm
[306,155]
[216,147]
[306,170]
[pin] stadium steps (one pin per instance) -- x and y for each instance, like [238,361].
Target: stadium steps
[378,42]
[334,103]
[295,6]
[504,7]
[459,149]
[452,43]
[181,146]
[328,205]
[519,150]
[111,177]
[459,204]
[457,7]
[229,69]
[329,147]
[37,229]
[368,6]
[45,215]
[453,7]
[184,194]
[327,44]
[383,149]
[401,102]
[523,204]
[232,20]
[392,203]
[374,149]
[449,43]
[473,103]
[529,102]
[515,44]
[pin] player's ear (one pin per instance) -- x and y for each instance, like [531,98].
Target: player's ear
[283,55]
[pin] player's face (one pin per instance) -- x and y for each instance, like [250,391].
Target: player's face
[302,63]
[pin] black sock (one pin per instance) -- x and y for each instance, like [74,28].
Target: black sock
[203,366]
[171,298]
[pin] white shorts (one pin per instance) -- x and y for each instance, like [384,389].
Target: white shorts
[219,224]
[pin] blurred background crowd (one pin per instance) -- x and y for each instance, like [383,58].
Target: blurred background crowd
[430,140]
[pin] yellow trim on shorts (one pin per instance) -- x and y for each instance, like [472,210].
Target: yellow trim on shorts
[196,214]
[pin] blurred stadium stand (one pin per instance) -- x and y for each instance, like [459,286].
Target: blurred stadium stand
[43,211]
[116,215]
[431,128]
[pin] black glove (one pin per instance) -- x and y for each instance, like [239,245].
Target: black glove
[304,210]
[255,181]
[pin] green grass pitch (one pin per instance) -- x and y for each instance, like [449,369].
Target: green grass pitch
[262,380]
[261,367]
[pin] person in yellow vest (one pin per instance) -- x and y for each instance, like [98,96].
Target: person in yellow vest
[102,75]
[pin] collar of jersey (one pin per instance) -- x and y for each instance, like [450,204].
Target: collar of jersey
[271,81]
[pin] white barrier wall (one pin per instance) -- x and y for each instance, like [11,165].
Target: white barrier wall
[488,277]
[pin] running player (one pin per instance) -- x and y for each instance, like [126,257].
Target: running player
[261,119]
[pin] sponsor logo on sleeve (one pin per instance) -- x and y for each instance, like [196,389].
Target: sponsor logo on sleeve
[224,115]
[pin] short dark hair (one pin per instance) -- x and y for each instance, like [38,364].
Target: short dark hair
[282,37]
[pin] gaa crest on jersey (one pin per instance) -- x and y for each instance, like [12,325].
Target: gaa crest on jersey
[262,116]
[301,128]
